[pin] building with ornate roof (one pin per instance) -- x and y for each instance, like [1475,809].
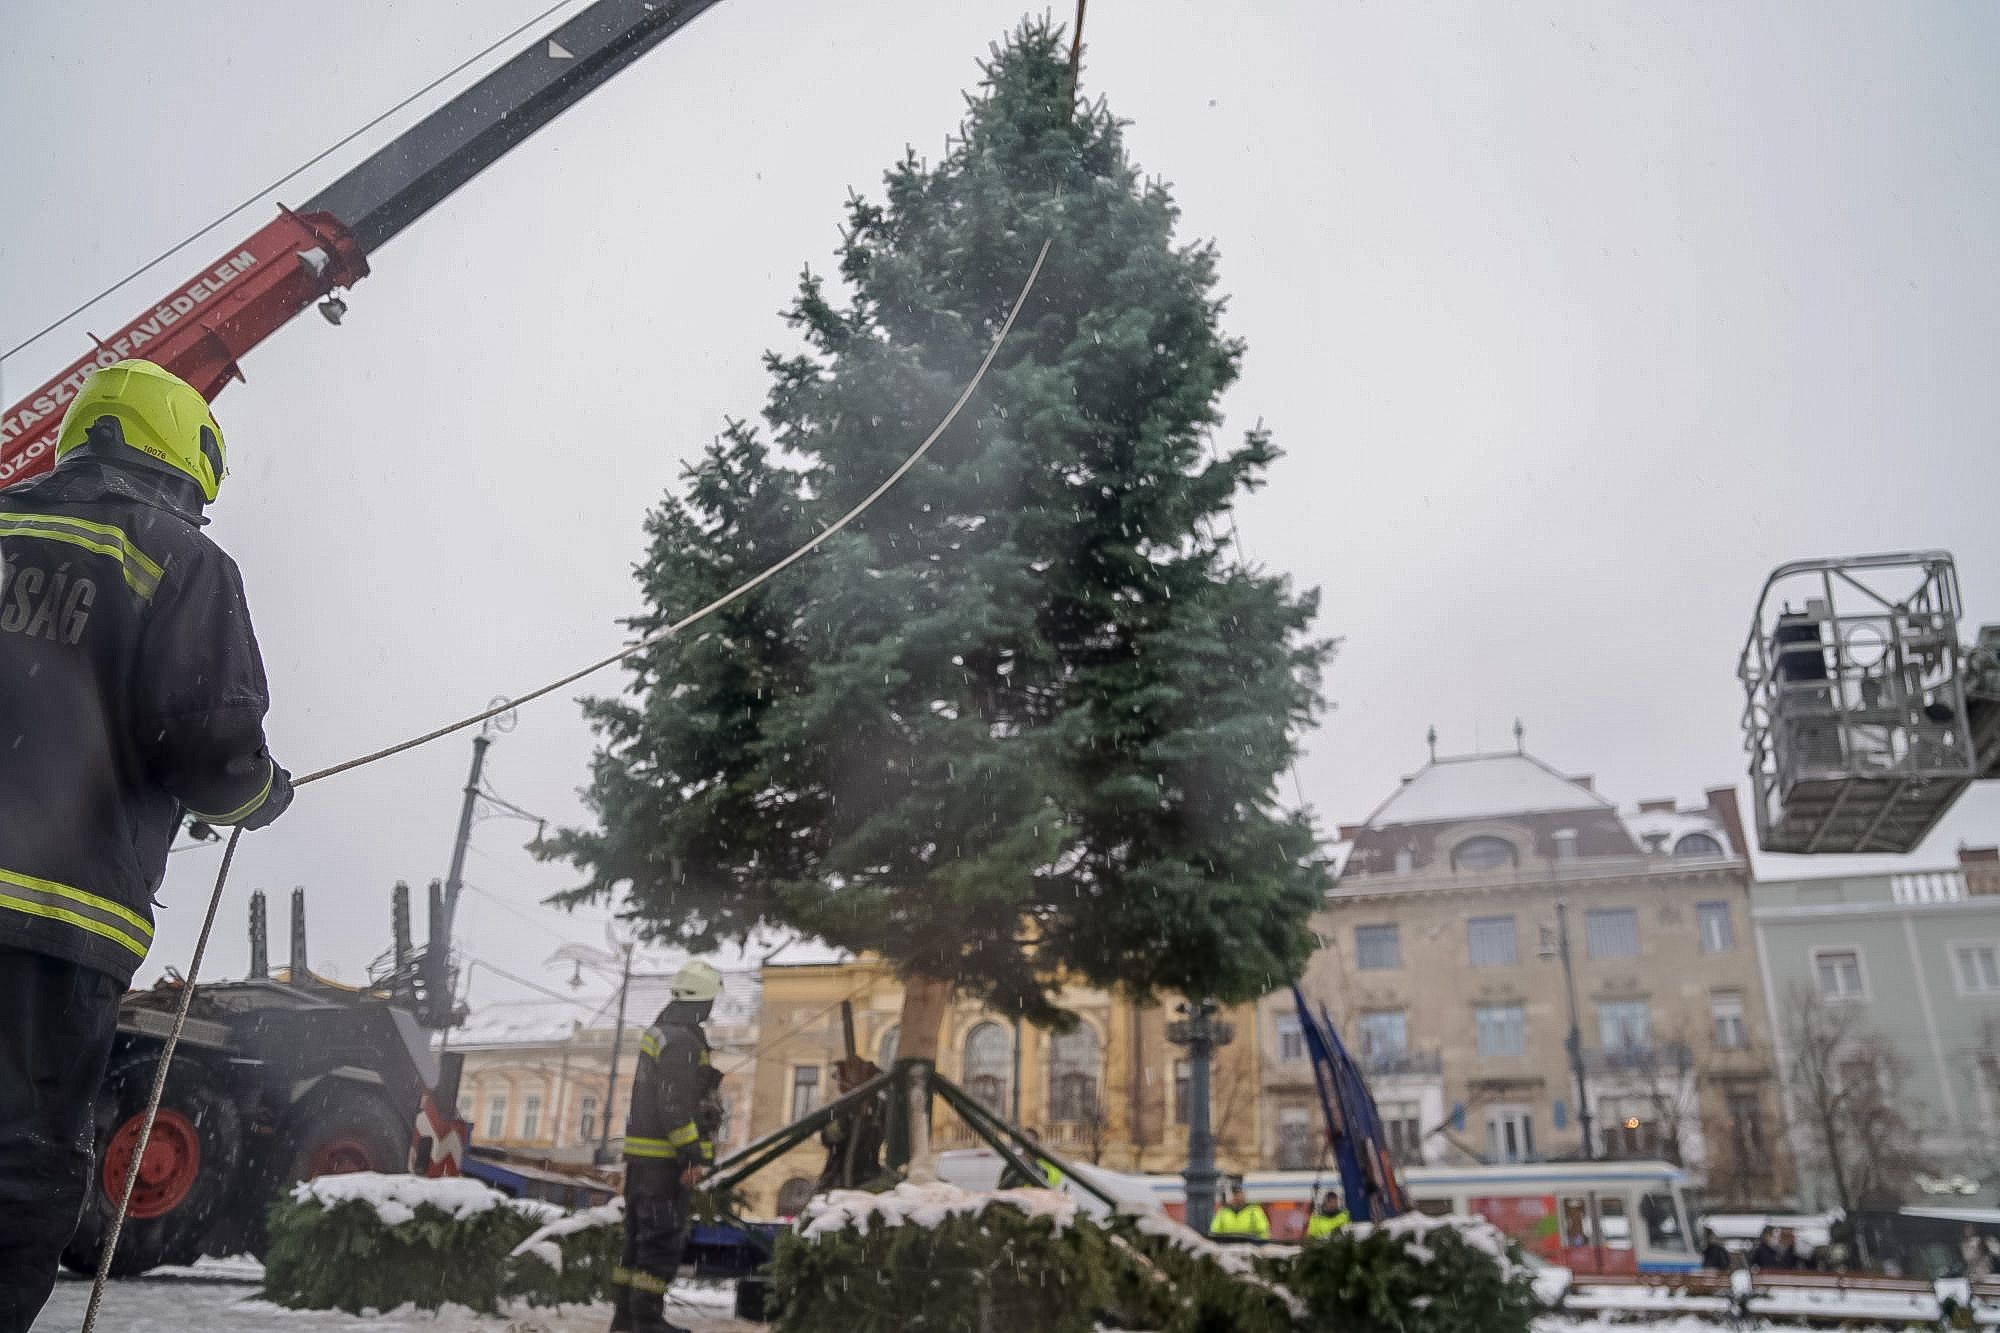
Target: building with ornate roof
[1442,963]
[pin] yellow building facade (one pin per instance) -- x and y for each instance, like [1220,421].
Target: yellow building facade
[1113,1091]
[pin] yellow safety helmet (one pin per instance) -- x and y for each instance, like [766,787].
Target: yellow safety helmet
[158,413]
[697,981]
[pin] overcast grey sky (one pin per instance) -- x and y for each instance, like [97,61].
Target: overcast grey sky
[1572,319]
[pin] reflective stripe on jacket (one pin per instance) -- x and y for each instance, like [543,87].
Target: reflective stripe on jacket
[130,689]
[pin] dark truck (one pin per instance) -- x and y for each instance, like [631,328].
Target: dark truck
[276,1079]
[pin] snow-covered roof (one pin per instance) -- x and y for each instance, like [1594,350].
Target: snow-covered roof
[519,1023]
[1670,826]
[1483,786]
[737,1006]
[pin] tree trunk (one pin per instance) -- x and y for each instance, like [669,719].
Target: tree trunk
[925,1002]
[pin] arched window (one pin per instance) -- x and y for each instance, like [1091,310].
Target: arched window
[793,1196]
[1698,844]
[1483,853]
[1073,1066]
[885,1049]
[989,1067]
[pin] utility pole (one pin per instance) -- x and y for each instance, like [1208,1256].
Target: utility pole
[1574,1043]
[617,1046]
[1201,1033]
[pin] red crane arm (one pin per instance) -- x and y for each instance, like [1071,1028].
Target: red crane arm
[201,327]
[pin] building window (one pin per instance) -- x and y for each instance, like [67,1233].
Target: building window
[1612,932]
[1510,1134]
[1624,1025]
[1295,1145]
[885,1049]
[1073,1064]
[1698,844]
[1839,974]
[1978,968]
[496,1116]
[1483,853]
[1385,1035]
[1717,931]
[1183,1093]
[586,1119]
[1377,948]
[465,1105]
[1502,1029]
[1400,1125]
[989,1067]
[531,1118]
[1291,1041]
[1726,1006]
[1624,1129]
[1489,941]
[805,1090]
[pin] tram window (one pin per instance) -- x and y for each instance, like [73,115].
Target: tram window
[1434,1207]
[1575,1215]
[1617,1226]
[1663,1222]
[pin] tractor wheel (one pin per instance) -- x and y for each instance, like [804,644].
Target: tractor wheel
[188,1171]
[337,1129]
[331,1131]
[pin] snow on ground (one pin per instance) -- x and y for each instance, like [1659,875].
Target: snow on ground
[192,1300]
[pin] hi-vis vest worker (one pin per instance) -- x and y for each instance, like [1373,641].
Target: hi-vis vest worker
[1326,1219]
[131,694]
[669,1140]
[1237,1218]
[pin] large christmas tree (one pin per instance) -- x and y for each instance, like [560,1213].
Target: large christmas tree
[1023,719]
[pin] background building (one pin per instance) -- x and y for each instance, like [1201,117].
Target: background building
[535,1075]
[1884,993]
[1441,964]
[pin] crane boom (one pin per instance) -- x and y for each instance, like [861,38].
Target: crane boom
[201,329]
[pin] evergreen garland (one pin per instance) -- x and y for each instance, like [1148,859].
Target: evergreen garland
[345,1257]
[1416,1275]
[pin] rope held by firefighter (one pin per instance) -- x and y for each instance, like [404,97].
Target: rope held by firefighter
[748,585]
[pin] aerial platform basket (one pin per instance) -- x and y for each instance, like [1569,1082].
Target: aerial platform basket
[1865,718]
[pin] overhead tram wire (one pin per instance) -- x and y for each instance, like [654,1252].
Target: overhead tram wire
[285,180]
[630,650]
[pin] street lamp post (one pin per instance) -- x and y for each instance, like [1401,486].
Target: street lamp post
[617,1046]
[1201,1033]
[1573,1044]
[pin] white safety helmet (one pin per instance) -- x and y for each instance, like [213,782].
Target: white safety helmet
[697,981]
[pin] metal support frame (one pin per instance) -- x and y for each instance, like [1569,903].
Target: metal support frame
[1856,717]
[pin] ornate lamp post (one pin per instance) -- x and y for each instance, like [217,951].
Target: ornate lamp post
[1200,1032]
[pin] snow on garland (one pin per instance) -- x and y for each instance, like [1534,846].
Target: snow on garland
[926,1206]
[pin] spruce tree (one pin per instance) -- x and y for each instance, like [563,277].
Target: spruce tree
[1023,720]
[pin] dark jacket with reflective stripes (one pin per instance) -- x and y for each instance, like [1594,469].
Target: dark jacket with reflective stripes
[130,689]
[670,1118]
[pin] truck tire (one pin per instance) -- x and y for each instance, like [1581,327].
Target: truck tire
[189,1169]
[338,1128]
[332,1130]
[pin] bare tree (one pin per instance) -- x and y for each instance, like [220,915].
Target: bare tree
[1661,1074]
[1841,1079]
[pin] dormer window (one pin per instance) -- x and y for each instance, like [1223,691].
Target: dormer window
[1484,853]
[1698,844]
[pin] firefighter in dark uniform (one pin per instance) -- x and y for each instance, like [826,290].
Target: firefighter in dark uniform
[669,1142]
[131,695]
